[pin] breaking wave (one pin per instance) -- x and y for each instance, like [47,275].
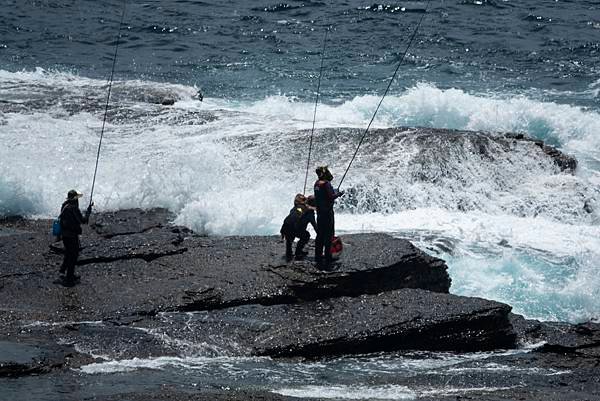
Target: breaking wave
[225,166]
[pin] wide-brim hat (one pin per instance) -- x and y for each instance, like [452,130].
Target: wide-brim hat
[74,194]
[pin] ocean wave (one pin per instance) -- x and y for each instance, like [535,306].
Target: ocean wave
[189,162]
[199,165]
[227,166]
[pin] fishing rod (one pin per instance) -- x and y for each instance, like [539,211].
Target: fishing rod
[315,111]
[112,72]
[412,38]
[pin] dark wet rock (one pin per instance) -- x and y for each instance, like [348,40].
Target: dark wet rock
[390,321]
[371,264]
[402,319]
[100,341]
[503,242]
[135,263]
[557,337]
[564,161]
[150,245]
[124,104]
[131,221]
[227,394]
[130,234]
[484,144]
[141,277]
[23,359]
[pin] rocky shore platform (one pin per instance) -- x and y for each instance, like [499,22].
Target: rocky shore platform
[150,290]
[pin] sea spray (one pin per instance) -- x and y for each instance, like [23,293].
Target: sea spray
[232,167]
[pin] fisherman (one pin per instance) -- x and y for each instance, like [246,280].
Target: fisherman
[71,220]
[325,196]
[294,226]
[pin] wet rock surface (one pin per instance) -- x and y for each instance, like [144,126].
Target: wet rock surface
[393,320]
[24,358]
[560,338]
[153,290]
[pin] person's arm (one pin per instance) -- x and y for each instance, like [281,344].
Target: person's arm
[84,219]
[311,220]
[332,193]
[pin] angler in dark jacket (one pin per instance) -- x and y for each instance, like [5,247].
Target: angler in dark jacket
[295,224]
[71,220]
[325,196]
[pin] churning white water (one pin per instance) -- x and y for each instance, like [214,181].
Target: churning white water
[510,224]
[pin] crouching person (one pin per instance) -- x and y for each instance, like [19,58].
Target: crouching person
[295,224]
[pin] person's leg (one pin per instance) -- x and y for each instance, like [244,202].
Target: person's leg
[66,256]
[328,232]
[304,237]
[319,239]
[288,247]
[71,255]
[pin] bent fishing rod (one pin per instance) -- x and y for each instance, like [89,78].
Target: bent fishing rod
[312,131]
[412,38]
[112,73]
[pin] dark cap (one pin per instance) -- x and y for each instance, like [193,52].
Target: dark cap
[74,194]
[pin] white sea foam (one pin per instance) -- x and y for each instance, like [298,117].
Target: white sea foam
[291,372]
[236,174]
[389,392]
[38,323]
[544,269]
[194,363]
[499,368]
[463,390]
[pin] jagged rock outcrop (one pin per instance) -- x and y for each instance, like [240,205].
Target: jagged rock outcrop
[139,273]
[390,321]
[579,339]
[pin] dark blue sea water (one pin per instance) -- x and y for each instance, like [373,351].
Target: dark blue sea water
[511,226]
[249,50]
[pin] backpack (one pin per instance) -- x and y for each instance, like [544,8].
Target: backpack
[56,229]
[57,225]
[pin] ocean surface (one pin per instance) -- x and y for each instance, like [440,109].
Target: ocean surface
[511,227]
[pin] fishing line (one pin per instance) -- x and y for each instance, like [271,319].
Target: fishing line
[386,91]
[315,111]
[112,72]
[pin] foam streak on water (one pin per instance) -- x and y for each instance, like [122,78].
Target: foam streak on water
[343,378]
